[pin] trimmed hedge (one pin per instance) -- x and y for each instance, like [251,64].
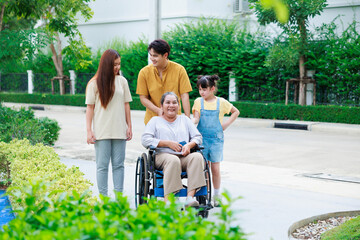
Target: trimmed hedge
[32,163]
[318,113]
[71,100]
[68,100]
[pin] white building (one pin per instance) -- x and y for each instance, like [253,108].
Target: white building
[130,20]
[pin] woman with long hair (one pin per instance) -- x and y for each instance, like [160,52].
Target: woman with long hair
[108,120]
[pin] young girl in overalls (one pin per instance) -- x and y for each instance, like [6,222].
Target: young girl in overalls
[208,112]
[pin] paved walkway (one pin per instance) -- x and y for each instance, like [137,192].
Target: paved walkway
[264,165]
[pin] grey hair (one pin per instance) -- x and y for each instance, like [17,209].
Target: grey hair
[166,94]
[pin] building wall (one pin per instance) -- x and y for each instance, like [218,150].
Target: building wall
[129,20]
[345,10]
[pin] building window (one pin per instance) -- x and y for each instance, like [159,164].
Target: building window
[241,6]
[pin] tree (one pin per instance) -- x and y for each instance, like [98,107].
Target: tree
[18,39]
[280,9]
[300,11]
[56,18]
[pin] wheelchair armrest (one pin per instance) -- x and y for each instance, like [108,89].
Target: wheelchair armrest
[197,148]
[151,148]
[201,147]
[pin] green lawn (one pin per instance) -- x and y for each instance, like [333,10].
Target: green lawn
[350,230]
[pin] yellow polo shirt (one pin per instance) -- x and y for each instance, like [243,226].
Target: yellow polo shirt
[174,79]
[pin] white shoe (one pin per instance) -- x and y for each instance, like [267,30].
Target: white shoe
[217,199]
[192,203]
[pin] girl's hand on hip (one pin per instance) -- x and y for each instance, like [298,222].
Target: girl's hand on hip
[224,126]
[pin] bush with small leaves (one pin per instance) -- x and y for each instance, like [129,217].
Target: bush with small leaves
[23,124]
[29,163]
[71,216]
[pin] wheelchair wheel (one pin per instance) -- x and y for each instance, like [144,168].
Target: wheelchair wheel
[202,200]
[203,213]
[141,180]
[205,205]
[205,200]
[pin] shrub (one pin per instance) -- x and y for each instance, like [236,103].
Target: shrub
[211,46]
[335,57]
[337,114]
[72,100]
[22,124]
[19,125]
[30,163]
[51,129]
[71,216]
[5,178]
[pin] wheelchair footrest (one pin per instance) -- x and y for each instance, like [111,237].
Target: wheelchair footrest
[206,207]
[159,192]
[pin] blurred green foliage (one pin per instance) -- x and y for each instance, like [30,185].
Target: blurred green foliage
[72,216]
[23,124]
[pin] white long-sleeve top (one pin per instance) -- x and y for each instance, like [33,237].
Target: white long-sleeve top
[182,129]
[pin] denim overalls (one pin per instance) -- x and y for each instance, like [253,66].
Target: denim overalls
[213,135]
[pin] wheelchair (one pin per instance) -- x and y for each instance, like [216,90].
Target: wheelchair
[149,182]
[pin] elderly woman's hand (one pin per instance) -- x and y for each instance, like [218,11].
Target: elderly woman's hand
[185,150]
[175,146]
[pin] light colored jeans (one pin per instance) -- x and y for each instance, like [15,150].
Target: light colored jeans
[105,150]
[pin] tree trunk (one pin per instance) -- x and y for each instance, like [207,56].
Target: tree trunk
[57,59]
[302,60]
[302,85]
[2,15]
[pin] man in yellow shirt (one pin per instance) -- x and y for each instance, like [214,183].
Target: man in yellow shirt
[159,77]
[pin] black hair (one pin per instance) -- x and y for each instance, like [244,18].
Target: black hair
[205,81]
[160,46]
[166,94]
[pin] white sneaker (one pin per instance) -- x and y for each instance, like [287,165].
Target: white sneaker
[192,203]
[217,199]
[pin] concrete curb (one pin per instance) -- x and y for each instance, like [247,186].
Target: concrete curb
[325,216]
[351,129]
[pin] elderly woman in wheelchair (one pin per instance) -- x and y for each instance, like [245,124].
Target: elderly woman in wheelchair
[174,136]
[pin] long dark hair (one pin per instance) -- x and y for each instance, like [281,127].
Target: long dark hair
[105,76]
